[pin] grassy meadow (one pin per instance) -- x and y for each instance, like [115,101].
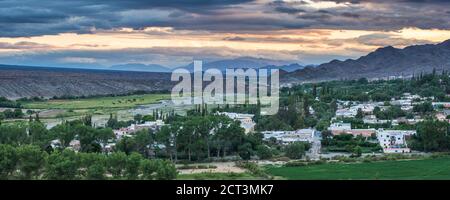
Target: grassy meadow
[99,102]
[426,169]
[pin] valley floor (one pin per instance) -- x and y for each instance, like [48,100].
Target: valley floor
[423,169]
[426,169]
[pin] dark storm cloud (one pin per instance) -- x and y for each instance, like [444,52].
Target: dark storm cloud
[392,1]
[350,15]
[386,39]
[38,17]
[43,17]
[289,10]
[380,15]
[168,56]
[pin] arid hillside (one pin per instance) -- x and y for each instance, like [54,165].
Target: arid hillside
[18,81]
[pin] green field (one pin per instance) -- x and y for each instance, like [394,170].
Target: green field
[218,176]
[98,103]
[388,170]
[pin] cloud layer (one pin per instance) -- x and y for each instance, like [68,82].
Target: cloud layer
[173,32]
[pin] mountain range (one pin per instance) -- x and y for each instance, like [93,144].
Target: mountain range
[26,81]
[242,62]
[384,62]
[246,63]
[138,67]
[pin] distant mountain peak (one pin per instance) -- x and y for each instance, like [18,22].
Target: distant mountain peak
[140,67]
[386,49]
[446,43]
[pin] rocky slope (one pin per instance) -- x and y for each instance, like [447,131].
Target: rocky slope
[18,81]
[384,62]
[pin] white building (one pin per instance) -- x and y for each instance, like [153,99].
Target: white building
[246,120]
[130,130]
[379,121]
[55,144]
[402,102]
[75,145]
[441,104]
[153,125]
[123,132]
[287,137]
[365,108]
[407,108]
[339,127]
[346,113]
[394,141]
[108,148]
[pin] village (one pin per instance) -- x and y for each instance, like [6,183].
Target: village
[347,121]
[391,140]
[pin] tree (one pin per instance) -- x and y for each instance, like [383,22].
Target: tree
[88,138]
[143,138]
[132,166]
[359,114]
[31,161]
[138,118]
[103,135]
[148,118]
[322,125]
[64,133]
[376,110]
[13,134]
[295,150]
[149,169]
[18,113]
[245,151]
[431,136]
[62,165]
[37,117]
[363,81]
[8,160]
[164,136]
[8,113]
[357,151]
[314,91]
[263,152]
[333,106]
[38,134]
[166,170]
[271,123]
[96,172]
[326,137]
[112,121]
[117,163]
[87,120]
[94,163]
[306,106]
[126,145]
[30,112]
[425,107]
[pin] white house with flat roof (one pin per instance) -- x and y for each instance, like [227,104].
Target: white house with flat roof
[246,120]
[287,137]
[394,141]
[346,113]
[340,127]
[441,104]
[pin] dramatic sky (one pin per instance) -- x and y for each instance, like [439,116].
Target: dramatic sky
[80,33]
